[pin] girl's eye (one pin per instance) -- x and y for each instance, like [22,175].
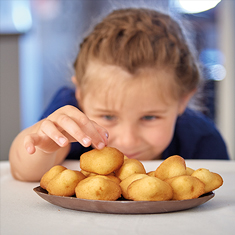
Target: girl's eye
[109,117]
[149,118]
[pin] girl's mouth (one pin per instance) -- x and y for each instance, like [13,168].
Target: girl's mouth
[132,155]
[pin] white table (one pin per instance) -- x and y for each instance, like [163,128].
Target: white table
[24,212]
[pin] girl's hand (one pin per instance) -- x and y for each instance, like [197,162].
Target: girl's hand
[67,124]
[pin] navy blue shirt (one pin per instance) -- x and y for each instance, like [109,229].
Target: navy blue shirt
[195,136]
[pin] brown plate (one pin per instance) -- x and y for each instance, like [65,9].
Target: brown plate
[122,206]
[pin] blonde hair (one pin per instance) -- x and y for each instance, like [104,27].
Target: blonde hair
[140,38]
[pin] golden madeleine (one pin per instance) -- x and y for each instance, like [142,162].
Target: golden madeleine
[110,177]
[102,162]
[127,181]
[87,173]
[64,183]
[98,188]
[129,167]
[170,167]
[189,171]
[49,175]
[149,189]
[80,175]
[151,173]
[211,180]
[186,187]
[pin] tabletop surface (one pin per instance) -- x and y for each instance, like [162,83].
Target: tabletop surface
[24,212]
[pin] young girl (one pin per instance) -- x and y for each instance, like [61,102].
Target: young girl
[134,77]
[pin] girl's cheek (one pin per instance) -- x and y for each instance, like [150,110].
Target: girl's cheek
[159,135]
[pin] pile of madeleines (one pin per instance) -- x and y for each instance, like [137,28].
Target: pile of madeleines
[109,175]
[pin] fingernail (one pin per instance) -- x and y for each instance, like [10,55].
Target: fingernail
[28,149]
[62,140]
[107,135]
[101,145]
[86,140]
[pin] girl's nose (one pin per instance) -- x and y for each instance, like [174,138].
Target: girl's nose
[128,136]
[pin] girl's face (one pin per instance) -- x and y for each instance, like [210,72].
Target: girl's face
[138,112]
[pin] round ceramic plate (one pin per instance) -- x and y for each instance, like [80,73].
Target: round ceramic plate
[122,206]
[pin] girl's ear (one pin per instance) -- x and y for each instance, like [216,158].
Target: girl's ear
[77,90]
[185,100]
[74,81]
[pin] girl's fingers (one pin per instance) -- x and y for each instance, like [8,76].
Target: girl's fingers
[70,129]
[48,138]
[82,129]
[49,129]
[30,142]
[65,125]
[95,132]
[103,132]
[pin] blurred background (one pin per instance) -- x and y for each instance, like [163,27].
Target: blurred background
[39,40]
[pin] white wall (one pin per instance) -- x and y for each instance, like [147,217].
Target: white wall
[226,87]
[9,92]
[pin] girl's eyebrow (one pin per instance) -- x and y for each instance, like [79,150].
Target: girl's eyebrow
[155,111]
[104,110]
[149,111]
